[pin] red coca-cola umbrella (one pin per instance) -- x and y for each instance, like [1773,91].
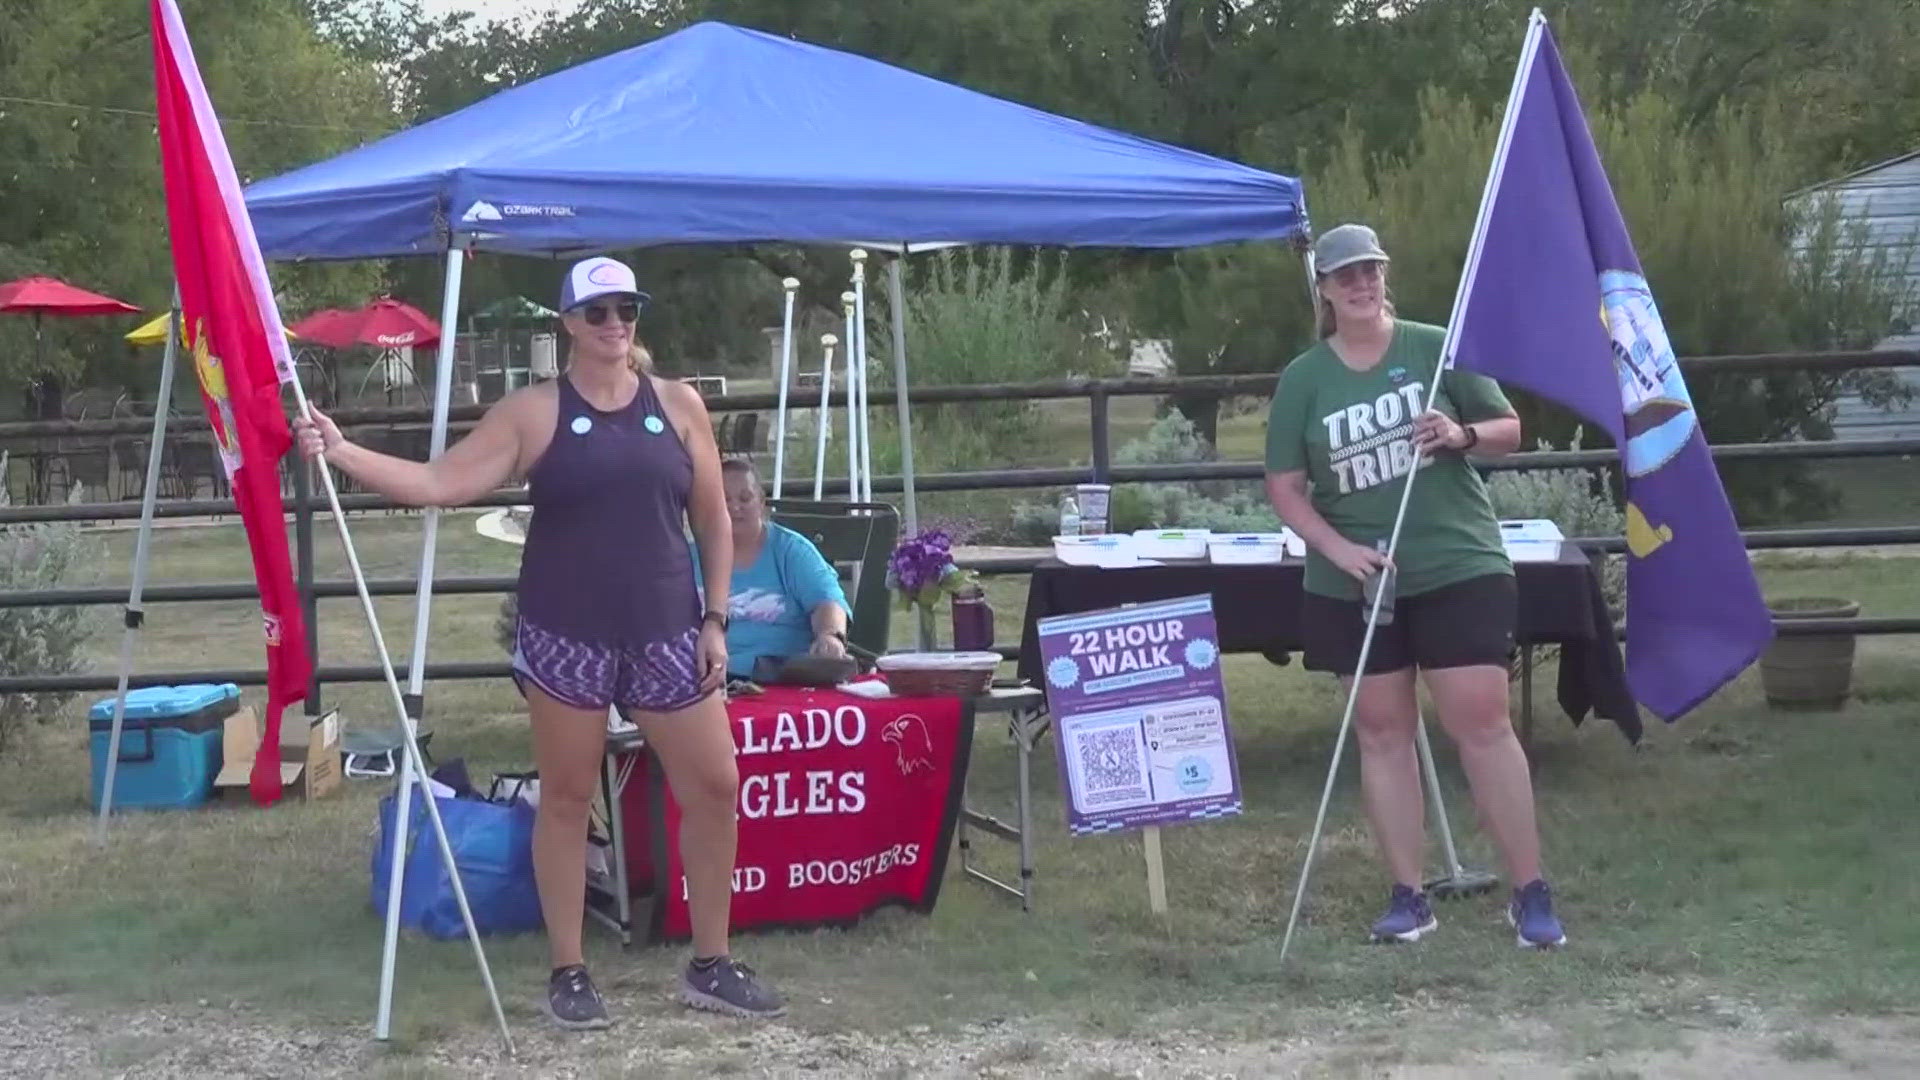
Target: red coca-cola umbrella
[335,328]
[385,323]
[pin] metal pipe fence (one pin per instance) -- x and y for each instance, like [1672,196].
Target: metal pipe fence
[1098,393]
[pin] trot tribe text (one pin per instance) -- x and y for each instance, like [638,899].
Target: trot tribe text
[1371,442]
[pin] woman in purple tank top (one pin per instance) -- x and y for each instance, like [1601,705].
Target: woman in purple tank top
[618,464]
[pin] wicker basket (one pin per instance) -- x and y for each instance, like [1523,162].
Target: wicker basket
[950,674]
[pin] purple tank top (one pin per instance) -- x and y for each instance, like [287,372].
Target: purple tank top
[606,559]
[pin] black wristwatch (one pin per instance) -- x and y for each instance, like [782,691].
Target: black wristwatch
[716,616]
[1473,437]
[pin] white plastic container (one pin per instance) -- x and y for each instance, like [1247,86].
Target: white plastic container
[1531,540]
[1100,550]
[1246,549]
[1171,543]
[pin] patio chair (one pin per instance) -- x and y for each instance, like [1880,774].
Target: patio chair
[857,538]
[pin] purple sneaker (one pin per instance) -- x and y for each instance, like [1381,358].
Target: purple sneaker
[729,986]
[573,1002]
[1531,916]
[1408,917]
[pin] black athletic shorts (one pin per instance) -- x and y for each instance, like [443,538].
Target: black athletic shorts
[1460,625]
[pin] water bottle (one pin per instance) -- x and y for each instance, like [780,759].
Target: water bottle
[1069,516]
[1378,583]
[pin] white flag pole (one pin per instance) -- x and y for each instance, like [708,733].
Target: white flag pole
[853,424]
[414,765]
[857,394]
[135,616]
[791,286]
[1531,46]
[825,420]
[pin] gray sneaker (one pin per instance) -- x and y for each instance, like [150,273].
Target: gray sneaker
[729,987]
[572,1000]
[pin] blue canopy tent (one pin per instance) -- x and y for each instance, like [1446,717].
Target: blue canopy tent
[720,134]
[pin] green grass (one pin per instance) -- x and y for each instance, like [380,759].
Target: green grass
[1872,491]
[1742,854]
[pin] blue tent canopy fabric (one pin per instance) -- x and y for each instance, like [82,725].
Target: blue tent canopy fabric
[721,134]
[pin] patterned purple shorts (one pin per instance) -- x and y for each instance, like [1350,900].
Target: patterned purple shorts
[660,677]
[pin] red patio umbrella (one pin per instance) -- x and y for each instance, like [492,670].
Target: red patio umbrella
[385,323]
[45,295]
[336,328]
[50,296]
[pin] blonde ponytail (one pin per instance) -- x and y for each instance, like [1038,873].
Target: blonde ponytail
[639,359]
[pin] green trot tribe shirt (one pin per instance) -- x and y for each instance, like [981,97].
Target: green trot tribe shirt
[1352,432]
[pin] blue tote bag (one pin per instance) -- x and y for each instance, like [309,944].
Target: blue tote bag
[493,847]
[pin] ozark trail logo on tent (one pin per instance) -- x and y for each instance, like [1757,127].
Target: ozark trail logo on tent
[483,210]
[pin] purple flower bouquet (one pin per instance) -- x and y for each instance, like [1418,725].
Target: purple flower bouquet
[921,570]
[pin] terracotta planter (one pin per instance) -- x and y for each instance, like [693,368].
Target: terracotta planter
[1809,672]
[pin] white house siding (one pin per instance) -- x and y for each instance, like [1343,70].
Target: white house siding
[1887,197]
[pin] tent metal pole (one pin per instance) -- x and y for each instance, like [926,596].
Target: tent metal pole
[142,551]
[791,285]
[412,704]
[896,299]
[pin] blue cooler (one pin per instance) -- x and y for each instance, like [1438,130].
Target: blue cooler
[169,744]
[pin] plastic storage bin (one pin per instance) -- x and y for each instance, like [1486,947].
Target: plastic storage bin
[1097,550]
[169,745]
[1246,549]
[1531,540]
[1174,544]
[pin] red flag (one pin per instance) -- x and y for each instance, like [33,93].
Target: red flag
[239,351]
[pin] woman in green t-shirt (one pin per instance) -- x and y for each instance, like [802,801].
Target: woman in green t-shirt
[1349,422]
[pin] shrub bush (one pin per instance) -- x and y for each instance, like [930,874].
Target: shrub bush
[1219,505]
[42,640]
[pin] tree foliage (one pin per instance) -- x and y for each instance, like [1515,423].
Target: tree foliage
[80,190]
[1708,112]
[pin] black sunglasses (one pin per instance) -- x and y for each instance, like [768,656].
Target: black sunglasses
[595,314]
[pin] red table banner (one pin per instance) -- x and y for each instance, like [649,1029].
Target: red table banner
[847,805]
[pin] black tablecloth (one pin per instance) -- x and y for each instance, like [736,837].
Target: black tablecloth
[1257,609]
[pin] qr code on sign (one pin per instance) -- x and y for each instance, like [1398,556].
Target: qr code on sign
[1110,760]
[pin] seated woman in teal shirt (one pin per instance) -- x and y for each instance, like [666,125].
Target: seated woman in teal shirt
[785,598]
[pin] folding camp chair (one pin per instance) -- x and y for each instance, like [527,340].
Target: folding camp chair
[857,539]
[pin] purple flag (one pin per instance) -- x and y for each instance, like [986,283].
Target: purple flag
[1553,300]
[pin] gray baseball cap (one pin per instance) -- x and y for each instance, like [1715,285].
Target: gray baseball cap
[1345,245]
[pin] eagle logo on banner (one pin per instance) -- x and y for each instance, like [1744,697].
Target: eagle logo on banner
[913,747]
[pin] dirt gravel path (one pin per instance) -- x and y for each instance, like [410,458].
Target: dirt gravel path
[48,1038]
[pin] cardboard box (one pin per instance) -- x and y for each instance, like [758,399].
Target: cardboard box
[309,753]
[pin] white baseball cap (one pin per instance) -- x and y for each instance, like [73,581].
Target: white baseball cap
[591,279]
